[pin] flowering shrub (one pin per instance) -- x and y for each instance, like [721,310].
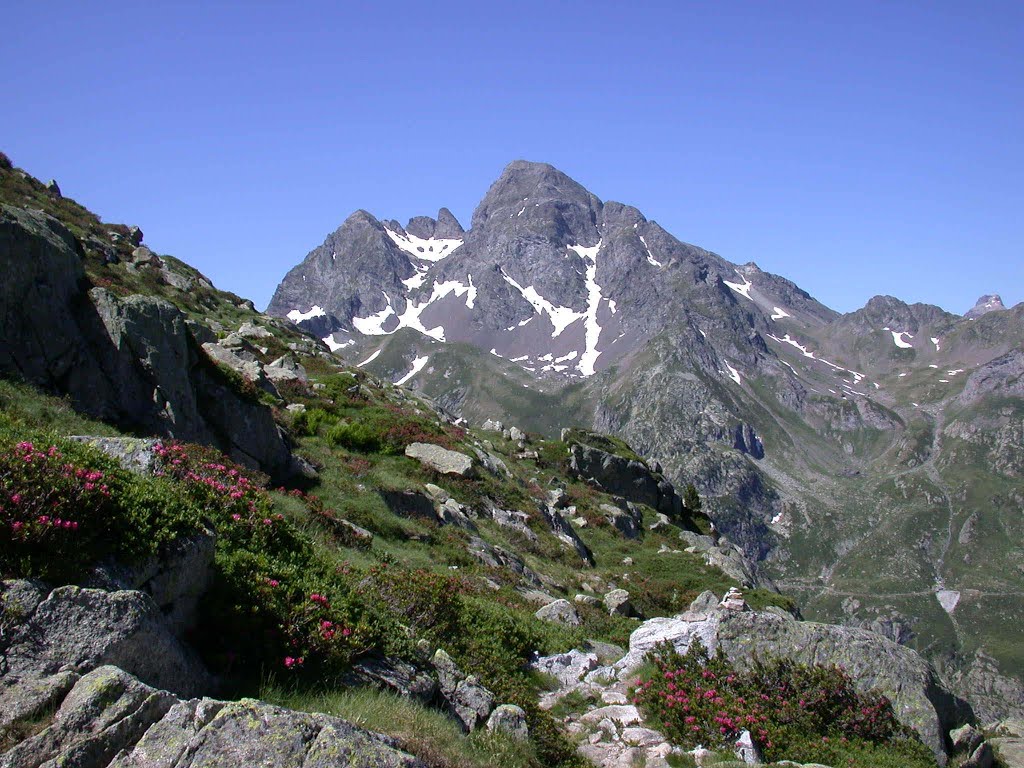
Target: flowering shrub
[64,507]
[50,505]
[791,710]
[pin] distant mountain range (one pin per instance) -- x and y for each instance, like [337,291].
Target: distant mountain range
[872,462]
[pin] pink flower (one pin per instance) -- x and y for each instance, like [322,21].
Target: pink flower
[273,582]
[16,498]
[236,517]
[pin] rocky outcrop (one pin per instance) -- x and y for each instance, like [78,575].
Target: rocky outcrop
[631,479]
[78,630]
[873,662]
[131,361]
[440,459]
[110,718]
[468,701]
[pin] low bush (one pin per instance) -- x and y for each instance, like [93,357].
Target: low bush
[64,507]
[792,711]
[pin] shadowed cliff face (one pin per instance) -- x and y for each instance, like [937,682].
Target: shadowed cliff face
[131,361]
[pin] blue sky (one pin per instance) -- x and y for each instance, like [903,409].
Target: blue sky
[855,148]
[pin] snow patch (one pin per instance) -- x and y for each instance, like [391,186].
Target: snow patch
[954,372]
[593,330]
[335,346]
[779,313]
[417,366]
[561,317]
[741,288]
[935,340]
[432,249]
[948,598]
[733,373]
[297,317]
[369,360]
[787,339]
[899,341]
[650,256]
[374,324]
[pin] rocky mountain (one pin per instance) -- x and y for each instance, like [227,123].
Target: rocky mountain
[870,461]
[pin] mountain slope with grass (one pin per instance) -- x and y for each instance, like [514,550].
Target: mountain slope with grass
[869,462]
[398,570]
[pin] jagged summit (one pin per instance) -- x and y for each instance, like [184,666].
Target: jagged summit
[990,302]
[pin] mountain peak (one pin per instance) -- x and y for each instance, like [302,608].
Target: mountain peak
[990,302]
[525,184]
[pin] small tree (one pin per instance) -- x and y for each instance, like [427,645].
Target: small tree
[691,499]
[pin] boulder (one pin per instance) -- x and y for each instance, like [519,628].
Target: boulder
[467,700]
[628,522]
[510,720]
[499,557]
[175,579]
[253,331]
[286,368]
[564,532]
[746,750]
[414,505]
[568,668]
[395,675]
[136,454]
[966,739]
[617,603]
[620,476]
[559,612]
[109,718]
[238,362]
[441,459]
[492,426]
[82,629]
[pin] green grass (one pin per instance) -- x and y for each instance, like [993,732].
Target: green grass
[427,733]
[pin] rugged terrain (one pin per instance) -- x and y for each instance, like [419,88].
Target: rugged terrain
[202,503]
[870,462]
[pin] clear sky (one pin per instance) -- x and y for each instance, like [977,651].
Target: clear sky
[856,148]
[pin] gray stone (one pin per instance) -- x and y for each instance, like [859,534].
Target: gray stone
[176,579]
[82,629]
[395,675]
[467,700]
[286,368]
[564,532]
[106,711]
[982,757]
[746,750]
[253,331]
[586,600]
[628,478]
[133,453]
[966,739]
[441,459]
[559,612]
[617,603]
[499,557]
[511,720]
[516,434]
[872,661]
[492,426]
[568,668]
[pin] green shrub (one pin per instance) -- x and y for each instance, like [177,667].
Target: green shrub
[64,507]
[356,436]
[792,711]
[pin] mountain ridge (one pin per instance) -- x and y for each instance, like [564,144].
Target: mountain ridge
[788,415]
